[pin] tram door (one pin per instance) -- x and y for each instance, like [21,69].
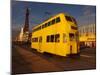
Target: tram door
[72,42]
[40,43]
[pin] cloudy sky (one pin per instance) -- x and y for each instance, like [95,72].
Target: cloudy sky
[39,12]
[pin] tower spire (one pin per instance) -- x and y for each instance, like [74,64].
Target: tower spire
[26,25]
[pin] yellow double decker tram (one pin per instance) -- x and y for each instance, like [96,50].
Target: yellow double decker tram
[58,35]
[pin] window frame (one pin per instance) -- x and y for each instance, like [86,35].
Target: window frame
[57,37]
[68,18]
[53,21]
[52,38]
[58,20]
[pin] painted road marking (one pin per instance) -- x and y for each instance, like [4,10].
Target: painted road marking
[87,56]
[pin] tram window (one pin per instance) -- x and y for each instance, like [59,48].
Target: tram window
[40,39]
[68,18]
[34,39]
[39,27]
[53,21]
[52,38]
[57,36]
[73,27]
[48,38]
[57,19]
[36,29]
[71,36]
[43,26]
[46,24]
[74,21]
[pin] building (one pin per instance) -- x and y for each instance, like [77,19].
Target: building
[87,35]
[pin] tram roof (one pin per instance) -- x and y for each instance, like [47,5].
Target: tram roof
[51,18]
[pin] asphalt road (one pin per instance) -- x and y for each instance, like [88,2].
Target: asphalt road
[27,60]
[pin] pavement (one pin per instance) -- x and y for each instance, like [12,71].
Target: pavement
[26,60]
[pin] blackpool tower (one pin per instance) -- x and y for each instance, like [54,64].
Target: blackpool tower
[26,25]
[24,34]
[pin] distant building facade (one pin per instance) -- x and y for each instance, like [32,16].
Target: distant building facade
[87,35]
